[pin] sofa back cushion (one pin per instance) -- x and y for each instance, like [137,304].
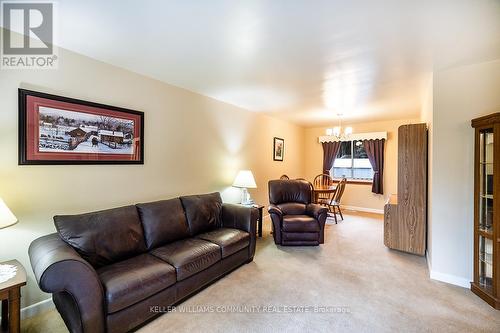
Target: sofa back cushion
[283,191]
[103,237]
[292,208]
[203,212]
[163,222]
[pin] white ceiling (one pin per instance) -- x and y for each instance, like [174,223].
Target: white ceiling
[301,60]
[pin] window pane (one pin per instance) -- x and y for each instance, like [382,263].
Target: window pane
[362,163]
[343,159]
[342,172]
[362,173]
[345,150]
[352,162]
[359,149]
[342,163]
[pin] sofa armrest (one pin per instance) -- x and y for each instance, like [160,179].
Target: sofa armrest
[315,210]
[59,269]
[243,218]
[240,217]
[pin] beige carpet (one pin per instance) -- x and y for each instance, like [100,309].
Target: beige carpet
[379,290]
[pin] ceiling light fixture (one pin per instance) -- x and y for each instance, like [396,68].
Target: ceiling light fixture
[337,130]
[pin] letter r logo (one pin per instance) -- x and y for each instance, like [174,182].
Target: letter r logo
[34,21]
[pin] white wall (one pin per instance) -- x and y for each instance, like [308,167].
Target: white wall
[193,144]
[460,94]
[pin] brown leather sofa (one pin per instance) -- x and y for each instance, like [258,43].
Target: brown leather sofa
[296,221]
[112,270]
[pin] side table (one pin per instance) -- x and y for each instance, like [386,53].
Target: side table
[10,294]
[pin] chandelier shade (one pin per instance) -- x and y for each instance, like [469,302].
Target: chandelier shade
[338,132]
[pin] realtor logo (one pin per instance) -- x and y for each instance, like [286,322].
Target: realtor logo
[27,35]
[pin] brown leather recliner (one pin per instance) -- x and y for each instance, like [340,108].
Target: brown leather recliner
[295,220]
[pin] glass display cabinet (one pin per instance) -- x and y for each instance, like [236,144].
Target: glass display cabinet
[486,282]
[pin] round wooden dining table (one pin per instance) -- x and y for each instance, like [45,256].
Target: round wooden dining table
[323,189]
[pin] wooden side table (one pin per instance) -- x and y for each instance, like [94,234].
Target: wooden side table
[10,294]
[259,226]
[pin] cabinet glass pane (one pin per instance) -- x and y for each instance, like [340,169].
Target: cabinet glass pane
[486,180]
[485,262]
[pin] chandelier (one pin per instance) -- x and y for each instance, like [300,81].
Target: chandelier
[337,131]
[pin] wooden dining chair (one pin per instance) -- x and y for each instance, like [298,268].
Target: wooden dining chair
[284,177]
[334,203]
[322,180]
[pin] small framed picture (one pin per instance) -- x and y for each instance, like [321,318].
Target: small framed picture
[60,130]
[279,149]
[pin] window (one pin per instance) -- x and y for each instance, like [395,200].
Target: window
[352,162]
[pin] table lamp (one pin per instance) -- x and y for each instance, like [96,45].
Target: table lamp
[6,220]
[244,179]
[6,217]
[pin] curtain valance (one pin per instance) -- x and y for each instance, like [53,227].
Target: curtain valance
[356,136]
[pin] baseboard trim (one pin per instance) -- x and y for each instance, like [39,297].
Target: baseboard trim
[363,209]
[443,277]
[429,263]
[451,279]
[34,309]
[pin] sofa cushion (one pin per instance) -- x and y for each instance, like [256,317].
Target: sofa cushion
[281,191]
[189,256]
[230,240]
[103,237]
[132,280]
[300,223]
[163,222]
[203,212]
[300,236]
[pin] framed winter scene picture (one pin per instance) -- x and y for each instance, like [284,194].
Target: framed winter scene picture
[279,149]
[60,130]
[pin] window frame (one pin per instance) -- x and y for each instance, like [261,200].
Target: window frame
[352,180]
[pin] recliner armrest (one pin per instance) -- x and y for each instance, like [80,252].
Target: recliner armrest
[277,220]
[315,210]
[320,213]
[59,268]
[273,209]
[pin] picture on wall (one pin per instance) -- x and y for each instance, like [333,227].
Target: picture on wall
[279,149]
[60,130]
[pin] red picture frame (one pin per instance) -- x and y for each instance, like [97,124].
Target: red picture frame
[61,130]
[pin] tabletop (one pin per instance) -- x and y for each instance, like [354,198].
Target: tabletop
[18,280]
[253,206]
[325,188]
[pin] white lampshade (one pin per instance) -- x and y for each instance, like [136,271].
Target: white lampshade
[6,216]
[348,131]
[244,179]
